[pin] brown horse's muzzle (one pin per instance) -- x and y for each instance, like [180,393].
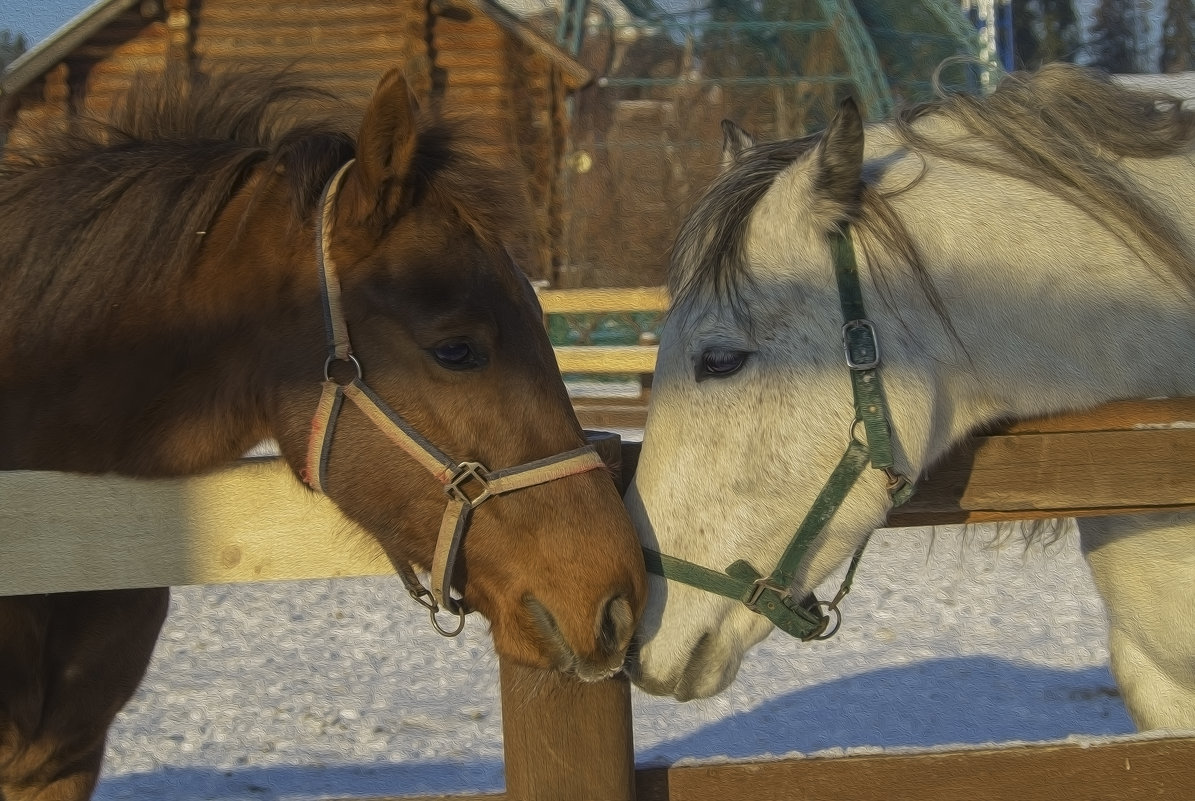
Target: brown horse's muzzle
[568,591]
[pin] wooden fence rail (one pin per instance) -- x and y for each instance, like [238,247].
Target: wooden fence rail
[567,741]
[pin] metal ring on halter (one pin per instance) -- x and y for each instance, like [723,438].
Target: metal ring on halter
[896,481]
[854,427]
[460,613]
[423,597]
[350,359]
[832,630]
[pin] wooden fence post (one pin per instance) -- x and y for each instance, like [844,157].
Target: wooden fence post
[564,740]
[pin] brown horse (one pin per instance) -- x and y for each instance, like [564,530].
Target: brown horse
[181,282]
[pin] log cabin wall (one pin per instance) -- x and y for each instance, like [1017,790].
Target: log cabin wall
[456,56]
[344,47]
[510,93]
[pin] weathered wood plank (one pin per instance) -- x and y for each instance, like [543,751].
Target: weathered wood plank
[1091,468]
[480,77]
[256,522]
[1126,415]
[606,358]
[1155,769]
[265,26]
[604,301]
[467,37]
[622,413]
[297,14]
[1148,465]
[382,51]
[1074,473]
[249,522]
[453,60]
[471,797]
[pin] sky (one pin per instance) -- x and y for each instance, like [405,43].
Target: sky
[37,19]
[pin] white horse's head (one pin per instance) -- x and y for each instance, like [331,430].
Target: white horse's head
[754,404]
[752,400]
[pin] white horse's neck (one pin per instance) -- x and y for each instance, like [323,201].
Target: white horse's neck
[1052,312]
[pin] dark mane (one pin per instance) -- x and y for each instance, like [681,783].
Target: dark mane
[171,155]
[100,208]
[1063,129]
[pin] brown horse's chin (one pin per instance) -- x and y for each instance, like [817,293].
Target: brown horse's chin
[541,642]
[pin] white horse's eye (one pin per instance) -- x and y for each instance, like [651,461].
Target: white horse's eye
[721,362]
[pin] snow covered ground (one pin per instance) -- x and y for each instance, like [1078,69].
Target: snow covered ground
[339,688]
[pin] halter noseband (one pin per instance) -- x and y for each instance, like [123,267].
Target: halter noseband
[466,484]
[771,595]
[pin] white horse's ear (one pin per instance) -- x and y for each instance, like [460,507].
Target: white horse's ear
[734,141]
[840,159]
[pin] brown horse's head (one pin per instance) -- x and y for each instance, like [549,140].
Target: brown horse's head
[449,335]
[164,313]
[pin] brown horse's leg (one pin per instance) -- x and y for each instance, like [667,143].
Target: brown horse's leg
[68,663]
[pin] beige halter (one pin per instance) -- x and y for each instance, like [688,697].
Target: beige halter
[453,475]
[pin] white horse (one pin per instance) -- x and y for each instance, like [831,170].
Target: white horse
[1024,254]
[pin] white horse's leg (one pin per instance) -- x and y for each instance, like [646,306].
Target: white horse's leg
[1144,567]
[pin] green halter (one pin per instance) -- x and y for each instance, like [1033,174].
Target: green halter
[771,595]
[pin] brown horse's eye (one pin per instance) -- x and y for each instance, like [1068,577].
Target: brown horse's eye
[721,362]
[456,355]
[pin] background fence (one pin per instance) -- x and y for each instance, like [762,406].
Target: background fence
[646,136]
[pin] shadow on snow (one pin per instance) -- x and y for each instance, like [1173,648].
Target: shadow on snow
[977,699]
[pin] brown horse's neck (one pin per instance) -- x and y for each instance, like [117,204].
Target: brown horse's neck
[174,383]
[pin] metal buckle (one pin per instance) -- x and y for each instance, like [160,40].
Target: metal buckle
[866,349]
[466,471]
[762,585]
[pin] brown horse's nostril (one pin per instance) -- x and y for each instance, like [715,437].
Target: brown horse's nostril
[612,633]
[615,625]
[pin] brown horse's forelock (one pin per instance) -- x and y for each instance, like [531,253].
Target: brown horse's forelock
[1063,129]
[101,209]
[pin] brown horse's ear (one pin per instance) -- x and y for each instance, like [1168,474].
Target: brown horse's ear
[386,146]
[840,159]
[734,141]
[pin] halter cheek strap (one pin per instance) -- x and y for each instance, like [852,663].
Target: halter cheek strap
[466,484]
[771,595]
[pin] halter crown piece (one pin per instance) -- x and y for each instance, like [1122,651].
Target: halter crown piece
[466,484]
[771,595]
